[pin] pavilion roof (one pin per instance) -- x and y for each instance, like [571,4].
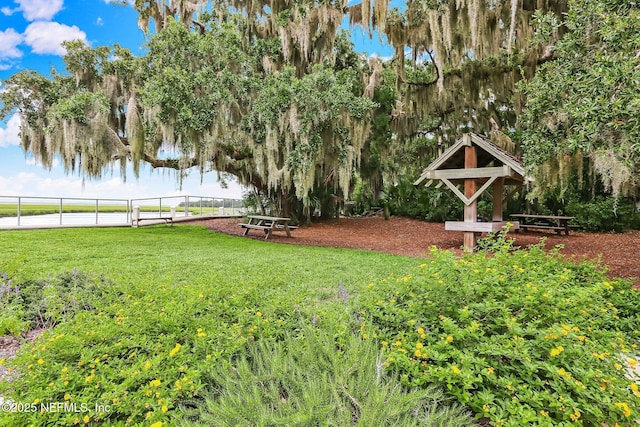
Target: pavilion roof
[492,161]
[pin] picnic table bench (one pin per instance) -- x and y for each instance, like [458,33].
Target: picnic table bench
[268,224]
[558,223]
[167,220]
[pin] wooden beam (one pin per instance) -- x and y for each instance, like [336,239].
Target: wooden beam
[498,189]
[469,200]
[471,209]
[478,227]
[476,173]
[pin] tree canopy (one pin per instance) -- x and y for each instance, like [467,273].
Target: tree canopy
[273,93]
[582,107]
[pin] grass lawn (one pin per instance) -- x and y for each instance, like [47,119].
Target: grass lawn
[164,326]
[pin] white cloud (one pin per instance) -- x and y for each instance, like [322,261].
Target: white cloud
[8,11]
[10,134]
[38,9]
[31,161]
[9,41]
[52,184]
[47,37]
[99,21]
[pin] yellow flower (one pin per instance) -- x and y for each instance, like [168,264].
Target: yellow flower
[86,419]
[556,351]
[419,345]
[259,314]
[158,424]
[175,350]
[147,365]
[490,370]
[624,407]
[417,353]
[67,396]
[155,383]
[201,333]
[576,414]
[455,369]
[40,361]
[449,338]
[164,409]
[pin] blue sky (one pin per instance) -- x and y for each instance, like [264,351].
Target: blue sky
[31,32]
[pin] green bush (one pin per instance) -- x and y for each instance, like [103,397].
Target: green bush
[317,377]
[521,337]
[43,303]
[604,214]
[428,203]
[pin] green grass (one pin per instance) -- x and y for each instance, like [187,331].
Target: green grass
[187,255]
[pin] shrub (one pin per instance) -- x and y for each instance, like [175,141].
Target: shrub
[522,337]
[317,377]
[43,303]
[604,214]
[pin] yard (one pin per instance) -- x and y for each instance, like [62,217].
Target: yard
[180,325]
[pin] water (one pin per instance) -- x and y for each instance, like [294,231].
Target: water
[77,219]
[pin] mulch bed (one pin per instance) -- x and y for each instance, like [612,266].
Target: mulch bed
[404,236]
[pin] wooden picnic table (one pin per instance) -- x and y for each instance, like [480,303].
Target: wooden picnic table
[268,224]
[558,223]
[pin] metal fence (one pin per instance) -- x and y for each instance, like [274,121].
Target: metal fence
[28,211]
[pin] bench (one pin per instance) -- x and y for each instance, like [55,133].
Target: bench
[558,223]
[167,220]
[255,226]
[268,224]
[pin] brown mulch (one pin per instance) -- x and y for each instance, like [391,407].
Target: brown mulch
[9,346]
[404,236]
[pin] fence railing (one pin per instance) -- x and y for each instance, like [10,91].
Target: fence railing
[22,211]
[191,205]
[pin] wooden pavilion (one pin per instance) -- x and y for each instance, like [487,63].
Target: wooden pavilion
[474,161]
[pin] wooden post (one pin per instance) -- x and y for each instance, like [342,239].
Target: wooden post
[471,210]
[498,190]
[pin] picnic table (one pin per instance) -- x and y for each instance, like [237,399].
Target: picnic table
[268,224]
[558,223]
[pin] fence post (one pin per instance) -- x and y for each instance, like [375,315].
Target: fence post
[97,208]
[61,211]
[135,216]
[19,209]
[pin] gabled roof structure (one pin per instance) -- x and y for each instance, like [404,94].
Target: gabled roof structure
[492,163]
